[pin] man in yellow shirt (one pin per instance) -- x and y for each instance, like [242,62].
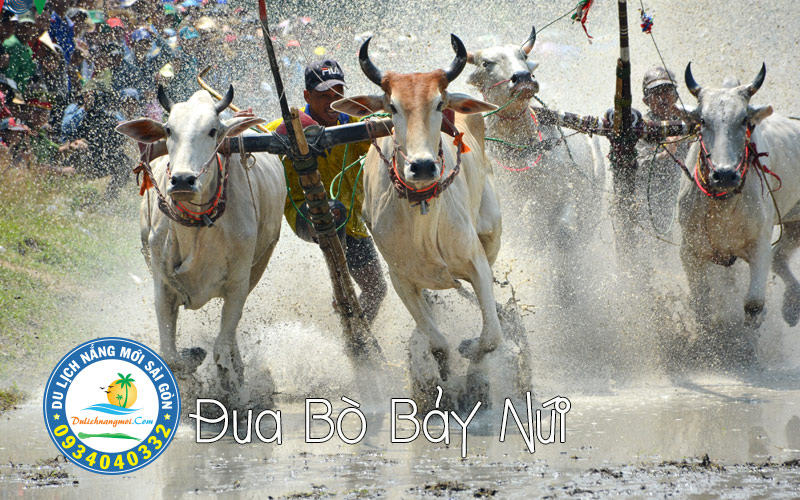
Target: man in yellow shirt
[338,167]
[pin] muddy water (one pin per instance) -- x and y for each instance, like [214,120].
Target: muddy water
[631,443]
[637,412]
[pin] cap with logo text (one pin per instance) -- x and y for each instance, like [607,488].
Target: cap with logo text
[323,75]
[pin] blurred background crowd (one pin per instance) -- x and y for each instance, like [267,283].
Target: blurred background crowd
[70,70]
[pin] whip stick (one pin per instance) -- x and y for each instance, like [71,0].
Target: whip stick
[623,139]
[216,95]
[276,75]
[361,342]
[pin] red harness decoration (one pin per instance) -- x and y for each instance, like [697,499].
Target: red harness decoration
[147,182]
[426,194]
[411,193]
[198,216]
[751,154]
[536,161]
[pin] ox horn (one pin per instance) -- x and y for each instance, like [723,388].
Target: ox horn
[759,81]
[164,99]
[528,45]
[374,73]
[694,88]
[457,66]
[226,101]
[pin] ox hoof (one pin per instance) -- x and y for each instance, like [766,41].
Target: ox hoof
[187,362]
[754,315]
[476,389]
[443,360]
[193,357]
[791,306]
[230,369]
[474,350]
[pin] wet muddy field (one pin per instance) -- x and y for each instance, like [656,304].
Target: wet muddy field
[707,437]
[655,411]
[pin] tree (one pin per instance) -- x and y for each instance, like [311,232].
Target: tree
[125,382]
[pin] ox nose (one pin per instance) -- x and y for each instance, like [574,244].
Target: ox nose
[725,179]
[422,170]
[183,182]
[520,77]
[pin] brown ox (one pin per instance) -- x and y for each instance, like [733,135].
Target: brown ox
[450,236]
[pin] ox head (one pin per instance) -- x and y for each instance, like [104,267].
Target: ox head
[724,116]
[416,102]
[502,72]
[192,132]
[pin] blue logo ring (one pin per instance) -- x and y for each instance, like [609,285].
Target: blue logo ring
[161,385]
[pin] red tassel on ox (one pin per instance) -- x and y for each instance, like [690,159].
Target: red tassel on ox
[459,143]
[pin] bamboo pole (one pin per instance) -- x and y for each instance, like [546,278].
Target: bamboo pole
[623,141]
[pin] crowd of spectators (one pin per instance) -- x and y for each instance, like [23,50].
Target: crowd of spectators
[71,70]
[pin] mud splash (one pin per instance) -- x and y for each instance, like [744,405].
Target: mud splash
[635,428]
[642,441]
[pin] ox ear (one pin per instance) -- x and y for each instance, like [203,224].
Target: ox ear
[689,114]
[142,130]
[758,113]
[466,105]
[237,125]
[360,106]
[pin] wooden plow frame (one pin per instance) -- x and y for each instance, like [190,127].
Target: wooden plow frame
[304,146]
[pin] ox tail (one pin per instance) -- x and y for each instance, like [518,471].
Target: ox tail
[146,252]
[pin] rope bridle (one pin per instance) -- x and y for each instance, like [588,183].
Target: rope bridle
[177,211]
[420,196]
[750,155]
[541,146]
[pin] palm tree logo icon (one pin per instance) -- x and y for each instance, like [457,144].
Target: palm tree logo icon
[123,391]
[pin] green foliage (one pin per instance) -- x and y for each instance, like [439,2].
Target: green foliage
[57,236]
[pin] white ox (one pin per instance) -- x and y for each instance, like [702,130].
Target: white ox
[192,265]
[559,174]
[717,228]
[459,237]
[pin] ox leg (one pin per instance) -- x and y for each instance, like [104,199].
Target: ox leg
[490,223]
[411,295]
[759,272]
[167,315]
[258,268]
[696,269]
[227,357]
[369,279]
[780,263]
[491,335]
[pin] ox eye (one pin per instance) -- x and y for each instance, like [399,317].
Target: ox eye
[212,133]
[392,108]
[167,131]
[487,64]
[440,106]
